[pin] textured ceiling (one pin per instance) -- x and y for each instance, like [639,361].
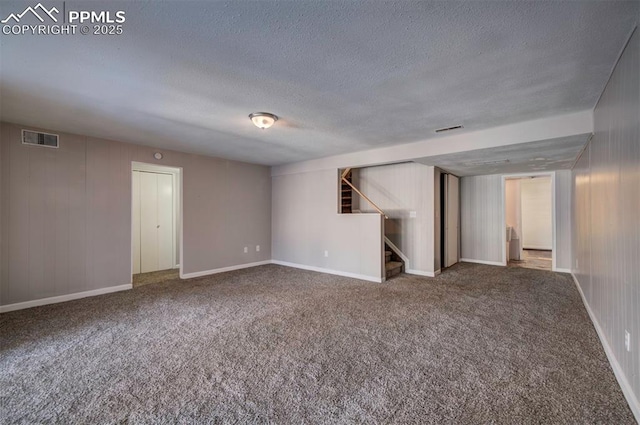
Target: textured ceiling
[343,76]
[544,155]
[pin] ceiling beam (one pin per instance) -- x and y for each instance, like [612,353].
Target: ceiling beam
[527,131]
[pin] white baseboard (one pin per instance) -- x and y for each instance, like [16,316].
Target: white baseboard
[562,270]
[489,263]
[421,273]
[63,298]
[627,390]
[328,271]
[223,269]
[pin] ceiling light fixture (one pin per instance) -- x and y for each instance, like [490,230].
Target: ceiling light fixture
[263,120]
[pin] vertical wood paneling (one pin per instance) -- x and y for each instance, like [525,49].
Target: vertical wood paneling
[4,214]
[481,211]
[65,214]
[563,219]
[399,190]
[18,223]
[606,214]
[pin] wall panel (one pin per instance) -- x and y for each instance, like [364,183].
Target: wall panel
[306,223]
[606,219]
[405,192]
[65,216]
[481,212]
[563,220]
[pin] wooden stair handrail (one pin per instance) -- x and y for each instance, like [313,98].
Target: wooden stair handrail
[344,179]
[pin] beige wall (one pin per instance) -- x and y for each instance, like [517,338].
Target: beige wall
[399,190]
[606,220]
[306,223]
[512,203]
[537,213]
[66,214]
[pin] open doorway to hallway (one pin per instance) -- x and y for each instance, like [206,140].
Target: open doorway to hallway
[155,213]
[529,221]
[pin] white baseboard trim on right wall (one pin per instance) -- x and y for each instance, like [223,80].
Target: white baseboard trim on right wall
[627,390]
[489,263]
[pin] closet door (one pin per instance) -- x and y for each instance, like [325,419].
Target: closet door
[165,214]
[148,222]
[153,222]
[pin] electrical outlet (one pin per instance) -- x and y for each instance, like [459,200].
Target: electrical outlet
[576,263]
[326,253]
[413,214]
[246,249]
[257,248]
[627,340]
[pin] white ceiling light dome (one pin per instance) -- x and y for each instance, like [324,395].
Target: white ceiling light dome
[263,120]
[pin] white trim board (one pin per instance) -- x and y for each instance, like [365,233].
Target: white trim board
[421,273]
[562,270]
[328,271]
[395,249]
[63,298]
[627,390]
[489,263]
[223,269]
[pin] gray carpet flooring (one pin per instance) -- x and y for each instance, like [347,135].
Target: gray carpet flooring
[478,344]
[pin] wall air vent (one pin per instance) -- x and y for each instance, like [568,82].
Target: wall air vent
[456,127]
[37,138]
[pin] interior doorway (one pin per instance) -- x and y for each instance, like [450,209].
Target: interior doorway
[449,219]
[529,221]
[155,226]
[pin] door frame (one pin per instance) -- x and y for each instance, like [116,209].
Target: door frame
[177,207]
[506,177]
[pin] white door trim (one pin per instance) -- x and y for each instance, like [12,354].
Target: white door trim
[506,177]
[177,204]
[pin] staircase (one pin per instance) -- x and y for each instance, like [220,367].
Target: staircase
[346,197]
[392,263]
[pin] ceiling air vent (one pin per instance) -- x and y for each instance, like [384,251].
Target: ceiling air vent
[39,139]
[456,127]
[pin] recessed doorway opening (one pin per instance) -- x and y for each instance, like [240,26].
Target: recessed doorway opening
[155,223]
[529,221]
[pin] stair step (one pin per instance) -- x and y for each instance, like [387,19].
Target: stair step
[393,268]
[387,256]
